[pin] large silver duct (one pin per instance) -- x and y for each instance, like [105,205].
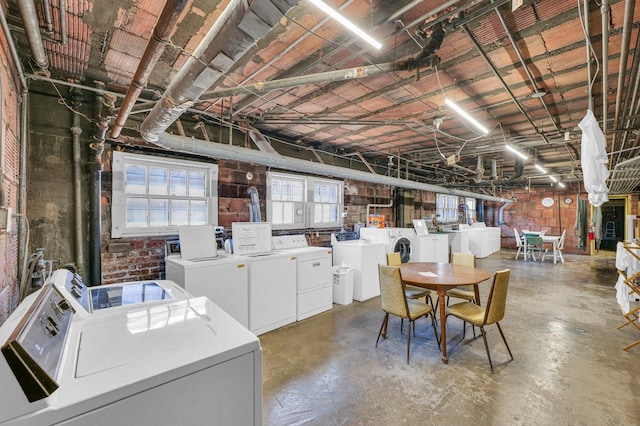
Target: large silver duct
[238,28]
[177,143]
[32,30]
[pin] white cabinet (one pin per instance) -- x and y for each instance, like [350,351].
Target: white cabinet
[459,242]
[430,248]
[223,280]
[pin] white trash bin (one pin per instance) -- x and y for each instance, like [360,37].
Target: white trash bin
[342,285]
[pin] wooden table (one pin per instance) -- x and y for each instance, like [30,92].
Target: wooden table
[446,276]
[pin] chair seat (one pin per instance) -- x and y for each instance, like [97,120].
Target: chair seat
[416,292]
[461,293]
[418,309]
[468,312]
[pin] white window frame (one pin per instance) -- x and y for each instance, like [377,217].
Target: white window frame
[119,197]
[447,208]
[305,211]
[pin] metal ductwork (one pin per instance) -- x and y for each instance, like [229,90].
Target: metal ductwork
[517,171]
[184,144]
[262,142]
[165,25]
[32,30]
[494,169]
[237,29]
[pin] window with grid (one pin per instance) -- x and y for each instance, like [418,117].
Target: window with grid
[447,208]
[154,195]
[295,201]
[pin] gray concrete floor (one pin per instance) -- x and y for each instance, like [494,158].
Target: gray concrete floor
[568,367]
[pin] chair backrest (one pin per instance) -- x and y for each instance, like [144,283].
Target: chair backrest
[533,239]
[561,240]
[464,259]
[392,294]
[497,301]
[517,237]
[394,259]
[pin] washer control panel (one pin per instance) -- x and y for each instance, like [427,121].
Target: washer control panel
[35,347]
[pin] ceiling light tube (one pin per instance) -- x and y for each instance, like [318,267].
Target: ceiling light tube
[346,23]
[561,185]
[464,114]
[553,179]
[539,167]
[515,151]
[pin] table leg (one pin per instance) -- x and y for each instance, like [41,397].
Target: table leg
[443,325]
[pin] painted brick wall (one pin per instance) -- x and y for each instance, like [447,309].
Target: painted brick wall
[9,179]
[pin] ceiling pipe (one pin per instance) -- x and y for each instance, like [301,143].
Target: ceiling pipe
[212,59]
[161,33]
[587,31]
[184,144]
[32,30]
[539,94]
[504,83]
[604,11]
[289,47]
[622,73]
[63,21]
[322,77]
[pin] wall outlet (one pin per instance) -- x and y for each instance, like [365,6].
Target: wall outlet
[5,219]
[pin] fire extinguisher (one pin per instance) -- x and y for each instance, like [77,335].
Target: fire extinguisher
[592,233]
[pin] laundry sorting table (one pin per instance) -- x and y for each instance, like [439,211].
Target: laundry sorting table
[441,277]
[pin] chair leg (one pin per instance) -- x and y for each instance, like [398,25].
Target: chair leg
[486,346]
[383,326]
[504,340]
[409,338]
[518,252]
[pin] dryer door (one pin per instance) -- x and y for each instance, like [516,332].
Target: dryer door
[403,246]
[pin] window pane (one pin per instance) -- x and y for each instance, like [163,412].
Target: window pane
[287,212]
[276,190]
[317,214]
[198,212]
[296,191]
[197,184]
[159,212]
[158,179]
[277,213]
[178,182]
[179,212]
[135,179]
[333,213]
[286,191]
[333,194]
[136,212]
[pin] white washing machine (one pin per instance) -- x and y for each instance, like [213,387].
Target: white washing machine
[144,352]
[314,288]
[364,257]
[272,277]
[396,239]
[224,280]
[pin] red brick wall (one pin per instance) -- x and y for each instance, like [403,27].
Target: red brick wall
[10,168]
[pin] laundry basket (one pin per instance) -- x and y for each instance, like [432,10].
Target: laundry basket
[342,285]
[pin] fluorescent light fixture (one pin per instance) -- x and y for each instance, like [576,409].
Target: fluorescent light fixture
[464,114]
[518,153]
[553,179]
[539,167]
[346,23]
[561,185]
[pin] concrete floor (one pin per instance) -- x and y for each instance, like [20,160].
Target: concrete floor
[569,368]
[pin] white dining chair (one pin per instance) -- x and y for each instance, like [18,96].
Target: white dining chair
[519,243]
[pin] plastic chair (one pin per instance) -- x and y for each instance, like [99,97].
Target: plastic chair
[535,245]
[609,230]
[519,243]
[394,302]
[491,314]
